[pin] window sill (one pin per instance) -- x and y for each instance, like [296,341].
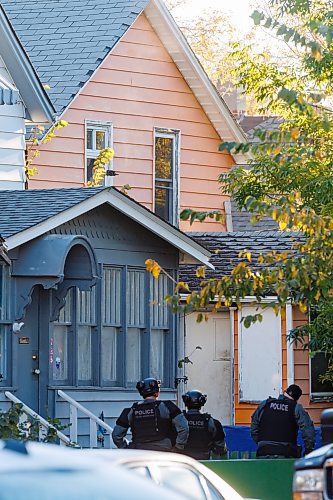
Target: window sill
[97,388]
[321,398]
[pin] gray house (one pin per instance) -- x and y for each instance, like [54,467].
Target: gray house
[79,312]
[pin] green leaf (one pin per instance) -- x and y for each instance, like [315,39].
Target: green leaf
[257,17]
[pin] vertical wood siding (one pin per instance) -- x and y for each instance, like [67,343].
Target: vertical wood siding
[138,87]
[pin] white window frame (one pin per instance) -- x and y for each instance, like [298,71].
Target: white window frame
[107,127]
[175,135]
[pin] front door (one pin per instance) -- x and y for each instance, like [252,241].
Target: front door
[32,353]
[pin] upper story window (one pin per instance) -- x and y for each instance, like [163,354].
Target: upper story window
[98,137]
[166,155]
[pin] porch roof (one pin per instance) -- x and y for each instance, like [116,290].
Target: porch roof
[25,215]
[225,248]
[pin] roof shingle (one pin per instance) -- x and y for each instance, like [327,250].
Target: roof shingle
[20,210]
[225,248]
[67,40]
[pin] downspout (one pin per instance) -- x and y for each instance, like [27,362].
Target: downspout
[290,346]
[232,365]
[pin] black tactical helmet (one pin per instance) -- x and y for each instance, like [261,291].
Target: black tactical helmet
[148,387]
[294,391]
[194,399]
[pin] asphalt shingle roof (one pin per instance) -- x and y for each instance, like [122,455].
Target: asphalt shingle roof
[225,248]
[20,210]
[67,40]
[241,221]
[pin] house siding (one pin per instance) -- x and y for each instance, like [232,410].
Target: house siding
[138,87]
[12,141]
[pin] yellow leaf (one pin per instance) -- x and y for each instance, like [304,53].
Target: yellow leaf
[295,133]
[248,256]
[180,285]
[156,270]
[317,296]
[316,54]
[201,272]
[303,307]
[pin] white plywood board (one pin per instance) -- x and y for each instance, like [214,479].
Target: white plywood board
[260,356]
[211,371]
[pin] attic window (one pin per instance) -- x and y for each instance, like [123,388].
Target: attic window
[98,137]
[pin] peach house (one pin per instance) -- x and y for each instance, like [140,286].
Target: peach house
[123,76]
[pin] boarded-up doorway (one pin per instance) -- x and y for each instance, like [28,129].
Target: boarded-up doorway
[211,371]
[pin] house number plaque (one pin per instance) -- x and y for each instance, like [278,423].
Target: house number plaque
[24,340]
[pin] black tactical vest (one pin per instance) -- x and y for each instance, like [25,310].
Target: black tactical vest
[277,422]
[200,439]
[147,424]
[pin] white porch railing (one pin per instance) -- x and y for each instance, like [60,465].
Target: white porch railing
[74,406]
[44,424]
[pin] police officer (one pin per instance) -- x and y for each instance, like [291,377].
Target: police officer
[153,423]
[206,433]
[275,425]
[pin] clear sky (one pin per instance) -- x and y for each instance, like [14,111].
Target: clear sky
[239,10]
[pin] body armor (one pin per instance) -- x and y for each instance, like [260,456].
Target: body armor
[147,424]
[278,425]
[200,440]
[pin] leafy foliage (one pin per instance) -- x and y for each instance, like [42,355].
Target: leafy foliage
[289,177]
[38,137]
[99,167]
[13,426]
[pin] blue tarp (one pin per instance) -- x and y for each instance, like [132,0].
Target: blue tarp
[238,438]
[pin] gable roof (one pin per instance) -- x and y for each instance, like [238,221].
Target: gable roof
[68,40]
[25,215]
[225,248]
[38,105]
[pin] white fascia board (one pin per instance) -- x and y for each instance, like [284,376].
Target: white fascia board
[23,73]
[195,76]
[128,207]
[246,300]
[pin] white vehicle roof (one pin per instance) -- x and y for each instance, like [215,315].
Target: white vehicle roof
[48,471]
